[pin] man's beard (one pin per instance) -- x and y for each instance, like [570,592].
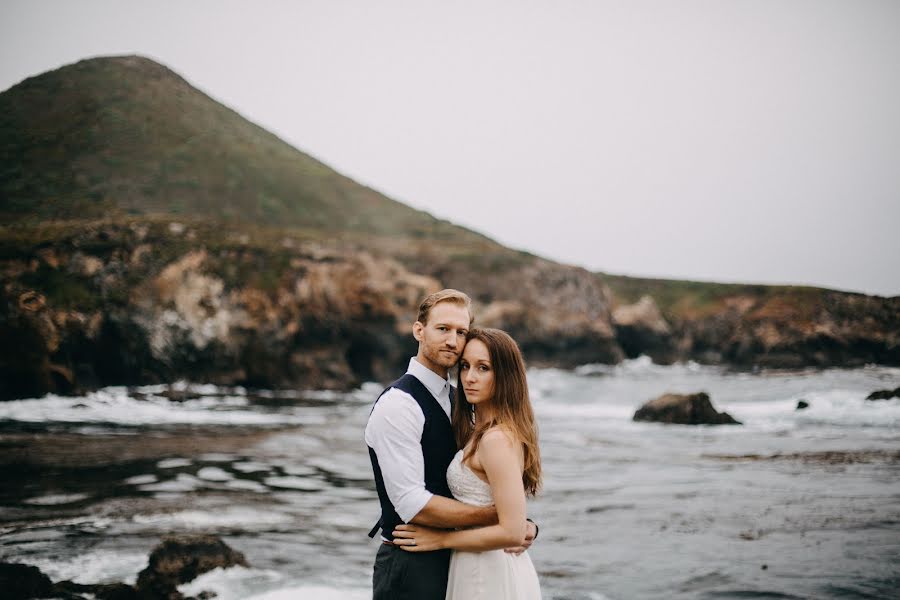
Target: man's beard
[444,359]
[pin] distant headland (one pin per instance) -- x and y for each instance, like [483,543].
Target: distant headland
[150,234]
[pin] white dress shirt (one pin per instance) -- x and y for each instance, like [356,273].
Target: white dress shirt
[394,432]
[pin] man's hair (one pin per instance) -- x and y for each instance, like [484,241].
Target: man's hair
[448,295]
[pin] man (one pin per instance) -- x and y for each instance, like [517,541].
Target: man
[411,444]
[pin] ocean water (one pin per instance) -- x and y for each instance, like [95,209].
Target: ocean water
[791,504]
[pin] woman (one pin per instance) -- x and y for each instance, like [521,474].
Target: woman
[499,463]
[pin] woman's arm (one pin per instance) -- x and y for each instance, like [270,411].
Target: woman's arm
[501,459]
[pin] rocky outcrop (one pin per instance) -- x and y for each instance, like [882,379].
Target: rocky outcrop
[21,582]
[180,559]
[692,409]
[86,305]
[884,394]
[162,307]
[641,329]
[177,560]
[797,328]
[147,302]
[558,314]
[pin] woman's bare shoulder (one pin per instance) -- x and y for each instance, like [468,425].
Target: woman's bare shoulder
[500,435]
[498,441]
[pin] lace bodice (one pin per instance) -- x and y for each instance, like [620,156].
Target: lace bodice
[465,484]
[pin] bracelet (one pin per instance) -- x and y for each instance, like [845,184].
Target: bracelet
[536,528]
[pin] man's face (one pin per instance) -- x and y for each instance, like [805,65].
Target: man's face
[442,339]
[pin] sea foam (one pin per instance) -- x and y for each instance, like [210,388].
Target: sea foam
[239,583]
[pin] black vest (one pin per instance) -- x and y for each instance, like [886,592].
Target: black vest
[438,449]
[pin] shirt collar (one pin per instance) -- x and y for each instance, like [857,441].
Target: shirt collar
[431,380]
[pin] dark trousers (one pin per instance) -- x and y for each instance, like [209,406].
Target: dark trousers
[401,575]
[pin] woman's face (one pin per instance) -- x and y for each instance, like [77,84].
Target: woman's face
[476,373]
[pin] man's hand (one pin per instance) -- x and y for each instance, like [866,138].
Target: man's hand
[529,540]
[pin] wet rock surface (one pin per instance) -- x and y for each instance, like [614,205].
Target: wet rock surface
[642,329]
[89,305]
[20,582]
[177,560]
[692,409]
[884,394]
[180,559]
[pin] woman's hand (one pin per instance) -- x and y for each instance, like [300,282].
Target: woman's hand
[418,538]
[530,534]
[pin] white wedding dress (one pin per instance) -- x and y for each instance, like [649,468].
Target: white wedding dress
[489,575]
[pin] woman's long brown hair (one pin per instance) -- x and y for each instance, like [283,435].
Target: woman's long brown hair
[512,407]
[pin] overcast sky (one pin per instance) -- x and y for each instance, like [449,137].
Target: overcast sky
[749,141]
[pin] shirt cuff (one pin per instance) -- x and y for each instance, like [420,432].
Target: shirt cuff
[412,504]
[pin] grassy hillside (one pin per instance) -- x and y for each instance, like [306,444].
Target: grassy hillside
[125,136]
[678,299]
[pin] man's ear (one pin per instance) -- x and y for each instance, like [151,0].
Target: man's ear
[418,329]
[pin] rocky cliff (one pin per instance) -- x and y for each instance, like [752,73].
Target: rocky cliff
[750,326]
[97,303]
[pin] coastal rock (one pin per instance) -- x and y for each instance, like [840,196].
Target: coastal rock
[796,328]
[692,409]
[100,591]
[884,394]
[27,367]
[323,317]
[801,404]
[179,559]
[559,315]
[641,329]
[20,582]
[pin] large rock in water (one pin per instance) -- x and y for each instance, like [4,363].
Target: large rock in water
[24,581]
[884,394]
[692,409]
[179,559]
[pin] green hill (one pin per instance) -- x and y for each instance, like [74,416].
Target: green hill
[125,136]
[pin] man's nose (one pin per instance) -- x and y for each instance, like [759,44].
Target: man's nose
[451,341]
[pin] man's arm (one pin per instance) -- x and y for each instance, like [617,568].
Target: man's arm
[447,513]
[500,458]
[394,431]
